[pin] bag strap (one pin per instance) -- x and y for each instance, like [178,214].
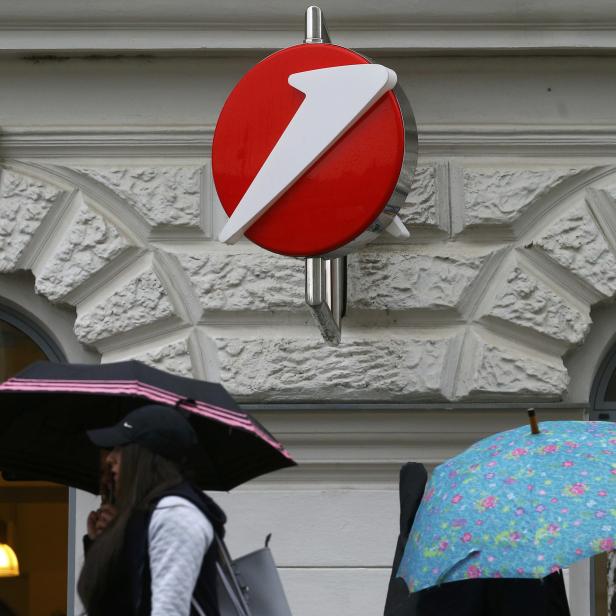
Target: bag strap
[225,570]
[230,592]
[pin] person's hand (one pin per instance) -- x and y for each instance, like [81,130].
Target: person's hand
[100,519]
[92,518]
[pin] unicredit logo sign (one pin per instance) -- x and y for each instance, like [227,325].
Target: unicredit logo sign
[311,151]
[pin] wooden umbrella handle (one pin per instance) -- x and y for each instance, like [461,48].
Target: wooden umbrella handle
[534,426]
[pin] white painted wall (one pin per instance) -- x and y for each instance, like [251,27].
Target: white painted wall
[172,92]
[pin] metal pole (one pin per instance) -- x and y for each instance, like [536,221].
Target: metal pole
[337,288]
[316,30]
[325,294]
[325,278]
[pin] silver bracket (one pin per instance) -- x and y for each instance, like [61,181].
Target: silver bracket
[325,278]
[326,294]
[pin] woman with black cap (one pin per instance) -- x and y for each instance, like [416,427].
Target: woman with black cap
[153,553]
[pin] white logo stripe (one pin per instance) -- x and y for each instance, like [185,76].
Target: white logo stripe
[335,99]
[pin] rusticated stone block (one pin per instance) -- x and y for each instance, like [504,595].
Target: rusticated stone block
[140,302]
[162,195]
[578,245]
[387,368]
[90,244]
[420,207]
[246,281]
[404,281]
[497,371]
[499,196]
[377,280]
[24,202]
[530,303]
[174,358]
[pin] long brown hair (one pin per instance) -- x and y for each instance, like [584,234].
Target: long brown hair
[143,475]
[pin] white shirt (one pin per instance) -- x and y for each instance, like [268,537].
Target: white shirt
[178,538]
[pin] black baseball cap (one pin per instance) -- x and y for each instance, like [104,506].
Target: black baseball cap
[162,429]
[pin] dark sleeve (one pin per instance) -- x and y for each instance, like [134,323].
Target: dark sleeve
[413,479]
[87,544]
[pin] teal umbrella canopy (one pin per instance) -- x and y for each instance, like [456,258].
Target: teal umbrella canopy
[516,505]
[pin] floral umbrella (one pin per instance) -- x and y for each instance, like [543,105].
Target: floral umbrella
[516,505]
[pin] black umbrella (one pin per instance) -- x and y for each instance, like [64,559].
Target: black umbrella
[46,409]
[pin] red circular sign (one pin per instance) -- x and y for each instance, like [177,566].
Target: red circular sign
[344,190]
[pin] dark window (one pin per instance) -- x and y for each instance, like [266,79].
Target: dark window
[22,342]
[16,350]
[603,393]
[36,512]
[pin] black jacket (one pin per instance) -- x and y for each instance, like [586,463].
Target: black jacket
[132,590]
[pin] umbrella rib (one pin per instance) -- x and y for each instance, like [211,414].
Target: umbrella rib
[231,418]
[127,387]
[79,383]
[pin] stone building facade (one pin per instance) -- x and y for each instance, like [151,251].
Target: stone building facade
[484,305]
[108,211]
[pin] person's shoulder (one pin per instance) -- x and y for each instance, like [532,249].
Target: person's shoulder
[175,513]
[189,493]
[178,507]
[175,501]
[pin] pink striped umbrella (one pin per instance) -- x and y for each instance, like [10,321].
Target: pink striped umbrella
[46,409]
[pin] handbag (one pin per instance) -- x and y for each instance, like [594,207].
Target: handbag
[249,585]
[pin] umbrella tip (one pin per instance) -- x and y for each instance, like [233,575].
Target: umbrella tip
[534,426]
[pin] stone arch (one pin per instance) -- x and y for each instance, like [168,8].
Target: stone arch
[54,322]
[534,306]
[130,248]
[92,250]
[584,362]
